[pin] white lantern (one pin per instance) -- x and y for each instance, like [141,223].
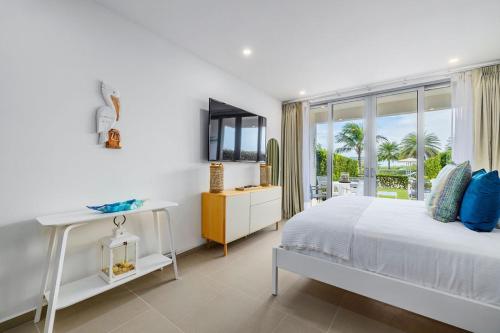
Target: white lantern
[119,254]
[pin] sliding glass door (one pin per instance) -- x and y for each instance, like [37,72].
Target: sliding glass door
[389,145]
[318,157]
[396,152]
[348,137]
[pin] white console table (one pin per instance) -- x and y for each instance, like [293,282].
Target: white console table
[60,296]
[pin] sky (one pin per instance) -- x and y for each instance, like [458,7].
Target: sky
[395,128]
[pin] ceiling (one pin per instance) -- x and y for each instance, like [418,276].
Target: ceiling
[323,45]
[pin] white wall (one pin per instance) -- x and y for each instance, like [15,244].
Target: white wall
[52,54]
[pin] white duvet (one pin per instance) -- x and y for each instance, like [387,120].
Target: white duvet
[318,230]
[397,238]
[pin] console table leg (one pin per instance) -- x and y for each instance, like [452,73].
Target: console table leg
[156,217]
[62,235]
[45,277]
[172,245]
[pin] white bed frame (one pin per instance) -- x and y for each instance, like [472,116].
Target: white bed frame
[445,307]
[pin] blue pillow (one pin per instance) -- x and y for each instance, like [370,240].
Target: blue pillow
[480,208]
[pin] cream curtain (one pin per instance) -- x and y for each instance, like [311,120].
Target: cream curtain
[486,90]
[305,152]
[463,117]
[291,147]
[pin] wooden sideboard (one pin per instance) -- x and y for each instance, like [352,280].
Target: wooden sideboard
[231,214]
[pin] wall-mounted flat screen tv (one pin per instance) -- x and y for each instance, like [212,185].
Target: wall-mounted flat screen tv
[235,134]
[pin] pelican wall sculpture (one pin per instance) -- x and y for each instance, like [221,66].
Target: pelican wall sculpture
[107,116]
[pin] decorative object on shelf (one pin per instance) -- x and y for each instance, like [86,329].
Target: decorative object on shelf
[344,177]
[265,174]
[107,116]
[118,206]
[273,159]
[246,188]
[119,253]
[216,177]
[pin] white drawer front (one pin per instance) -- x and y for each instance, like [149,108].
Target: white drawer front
[266,195]
[265,214]
[237,216]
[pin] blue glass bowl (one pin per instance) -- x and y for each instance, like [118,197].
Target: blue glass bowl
[118,206]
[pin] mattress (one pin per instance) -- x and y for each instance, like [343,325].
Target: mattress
[397,238]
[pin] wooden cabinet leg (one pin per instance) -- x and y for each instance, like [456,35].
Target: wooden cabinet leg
[277,225]
[225,250]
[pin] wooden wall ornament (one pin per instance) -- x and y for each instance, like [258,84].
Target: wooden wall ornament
[107,116]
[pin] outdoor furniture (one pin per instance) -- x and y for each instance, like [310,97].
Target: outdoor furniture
[344,188]
[322,181]
[318,192]
[335,189]
[412,187]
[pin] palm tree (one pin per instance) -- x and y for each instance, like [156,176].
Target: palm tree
[388,151]
[409,145]
[352,136]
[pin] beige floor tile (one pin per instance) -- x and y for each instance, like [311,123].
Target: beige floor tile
[28,327]
[370,308]
[319,290]
[264,319]
[414,323]
[350,322]
[98,314]
[231,311]
[101,313]
[178,297]
[253,277]
[213,259]
[309,307]
[150,322]
[291,324]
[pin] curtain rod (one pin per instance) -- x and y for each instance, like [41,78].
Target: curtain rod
[409,80]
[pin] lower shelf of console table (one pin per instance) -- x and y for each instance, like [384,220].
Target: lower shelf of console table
[79,290]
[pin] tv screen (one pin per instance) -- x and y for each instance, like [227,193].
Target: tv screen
[235,134]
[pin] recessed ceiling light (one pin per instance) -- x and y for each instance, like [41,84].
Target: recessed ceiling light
[453,61]
[247,52]
[302,92]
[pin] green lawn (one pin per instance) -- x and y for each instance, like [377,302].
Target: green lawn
[401,194]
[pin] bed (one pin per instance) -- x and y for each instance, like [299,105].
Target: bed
[392,251]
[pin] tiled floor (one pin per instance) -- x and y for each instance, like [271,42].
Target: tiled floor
[233,294]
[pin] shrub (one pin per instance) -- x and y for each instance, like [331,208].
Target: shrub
[445,157]
[320,161]
[340,164]
[344,164]
[394,181]
[433,165]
